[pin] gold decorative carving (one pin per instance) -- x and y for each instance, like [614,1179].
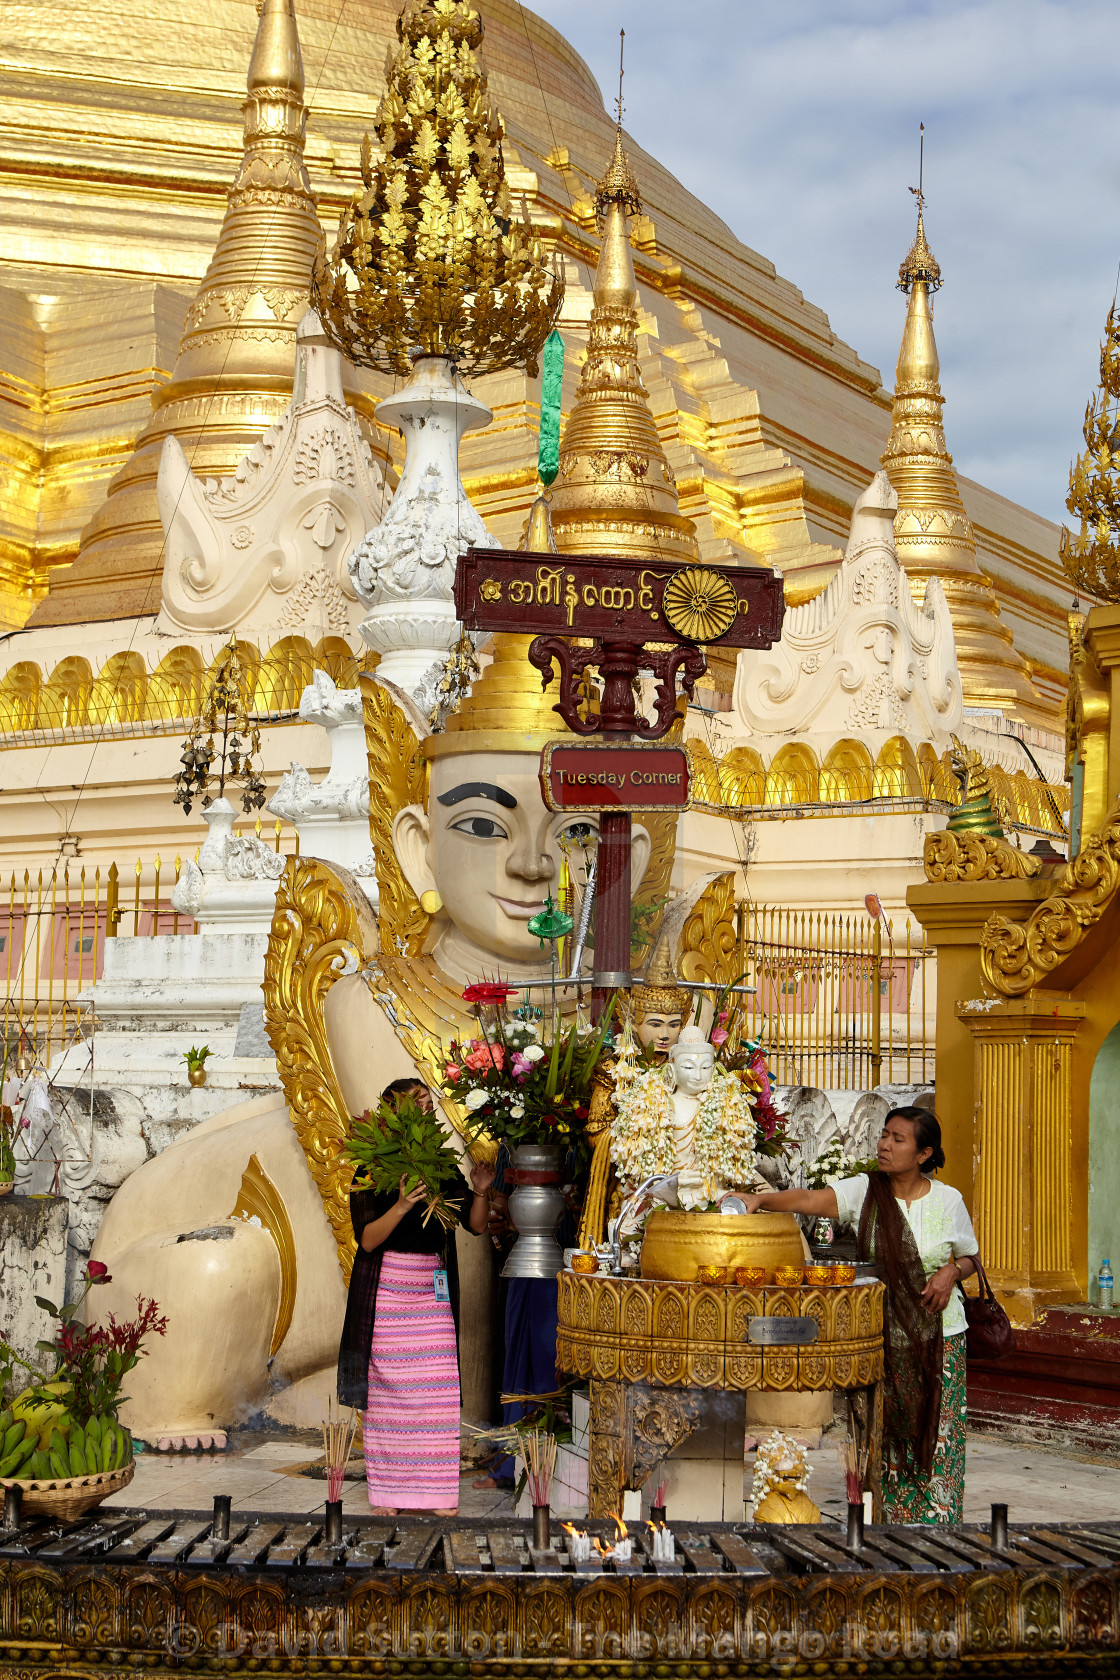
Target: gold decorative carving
[1014,956]
[258,1198]
[397,777]
[709,944]
[700,604]
[660,1419]
[976,857]
[1092,557]
[317,937]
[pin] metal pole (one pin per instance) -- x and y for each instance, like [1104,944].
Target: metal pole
[876,1003]
[220,1526]
[612,910]
[999,1528]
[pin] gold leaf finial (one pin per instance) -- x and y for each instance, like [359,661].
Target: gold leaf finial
[1092,557]
[429,259]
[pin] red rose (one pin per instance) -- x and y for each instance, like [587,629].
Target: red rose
[97,1271]
[582,1113]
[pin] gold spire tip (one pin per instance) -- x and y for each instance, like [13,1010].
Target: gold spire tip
[277,61]
[920,262]
[618,185]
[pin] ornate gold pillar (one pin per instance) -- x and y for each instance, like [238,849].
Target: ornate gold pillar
[1022,1203]
[953,914]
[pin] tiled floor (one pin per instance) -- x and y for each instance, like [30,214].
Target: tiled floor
[1036,1483]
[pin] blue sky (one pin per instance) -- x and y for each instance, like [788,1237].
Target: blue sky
[797,121]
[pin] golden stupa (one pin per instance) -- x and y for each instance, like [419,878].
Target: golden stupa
[933,534]
[233,376]
[615,495]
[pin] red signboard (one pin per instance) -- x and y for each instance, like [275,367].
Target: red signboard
[597,777]
[618,600]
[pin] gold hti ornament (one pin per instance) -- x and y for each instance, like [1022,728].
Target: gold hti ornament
[1092,558]
[429,260]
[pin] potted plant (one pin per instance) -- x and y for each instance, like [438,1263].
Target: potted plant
[535,1095]
[63,1444]
[196,1063]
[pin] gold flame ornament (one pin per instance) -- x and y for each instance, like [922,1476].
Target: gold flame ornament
[1092,557]
[429,259]
[700,604]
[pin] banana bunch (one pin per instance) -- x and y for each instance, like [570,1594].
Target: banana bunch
[40,1441]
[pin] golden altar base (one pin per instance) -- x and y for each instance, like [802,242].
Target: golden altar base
[647,1346]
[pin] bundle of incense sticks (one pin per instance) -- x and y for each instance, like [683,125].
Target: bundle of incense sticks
[538,1449]
[854,1461]
[338,1438]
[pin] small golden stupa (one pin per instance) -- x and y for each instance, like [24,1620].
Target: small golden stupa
[615,494]
[933,535]
[233,376]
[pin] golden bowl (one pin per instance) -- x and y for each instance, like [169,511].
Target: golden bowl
[584,1263]
[675,1244]
[711,1274]
[843,1272]
[788,1277]
[819,1275]
[750,1277]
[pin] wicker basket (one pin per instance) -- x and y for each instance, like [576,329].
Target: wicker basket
[70,1499]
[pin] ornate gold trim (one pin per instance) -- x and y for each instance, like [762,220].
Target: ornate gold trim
[397,777]
[1014,956]
[976,857]
[317,937]
[259,1198]
[708,945]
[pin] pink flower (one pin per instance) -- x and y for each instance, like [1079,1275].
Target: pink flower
[483,1057]
[451,1071]
[719,1035]
[519,1066]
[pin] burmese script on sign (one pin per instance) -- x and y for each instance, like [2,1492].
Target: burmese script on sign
[598,777]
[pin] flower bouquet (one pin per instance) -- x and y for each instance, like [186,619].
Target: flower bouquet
[400,1141]
[521,1089]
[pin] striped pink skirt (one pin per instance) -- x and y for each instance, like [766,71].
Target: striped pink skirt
[410,1434]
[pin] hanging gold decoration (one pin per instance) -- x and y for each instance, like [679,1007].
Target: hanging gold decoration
[700,604]
[429,260]
[1092,557]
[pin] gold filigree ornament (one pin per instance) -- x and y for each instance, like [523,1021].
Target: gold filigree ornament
[429,259]
[398,777]
[1092,557]
[320,927]
[1014,956]
[700,604]
[976,857]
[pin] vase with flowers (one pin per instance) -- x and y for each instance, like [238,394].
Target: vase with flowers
[533,1091]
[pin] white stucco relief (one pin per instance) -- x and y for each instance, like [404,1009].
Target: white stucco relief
[862,657]
[266,547]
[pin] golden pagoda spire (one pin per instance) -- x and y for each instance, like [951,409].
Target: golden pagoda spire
[233,376]
[615,494]
[933,536]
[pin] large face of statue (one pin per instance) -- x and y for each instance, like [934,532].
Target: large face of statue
[659,1031]
[490,848]
[693,1065]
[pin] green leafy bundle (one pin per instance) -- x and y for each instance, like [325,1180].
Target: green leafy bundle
[402,1141]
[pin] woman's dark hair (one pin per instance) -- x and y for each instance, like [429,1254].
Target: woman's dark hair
[927,1133]
[405,1088]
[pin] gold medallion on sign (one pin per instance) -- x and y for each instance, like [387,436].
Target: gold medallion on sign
[700,604]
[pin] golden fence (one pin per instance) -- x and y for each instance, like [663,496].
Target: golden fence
[54,926]
[838,1001]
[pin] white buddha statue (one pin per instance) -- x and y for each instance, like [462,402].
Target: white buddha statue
[691,1133]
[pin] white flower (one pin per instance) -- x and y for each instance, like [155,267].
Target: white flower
[516,1110]
[476,1098]
[532,1052]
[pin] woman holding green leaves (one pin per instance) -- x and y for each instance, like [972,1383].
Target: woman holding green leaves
[398,1361]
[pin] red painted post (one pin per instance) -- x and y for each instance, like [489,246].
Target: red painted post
[612,910]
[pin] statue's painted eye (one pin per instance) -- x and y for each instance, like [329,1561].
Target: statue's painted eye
[482,828]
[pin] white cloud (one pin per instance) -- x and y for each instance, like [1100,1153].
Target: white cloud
[798,123]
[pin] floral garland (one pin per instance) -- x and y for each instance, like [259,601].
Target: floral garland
[774,1454]
[642,1135]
